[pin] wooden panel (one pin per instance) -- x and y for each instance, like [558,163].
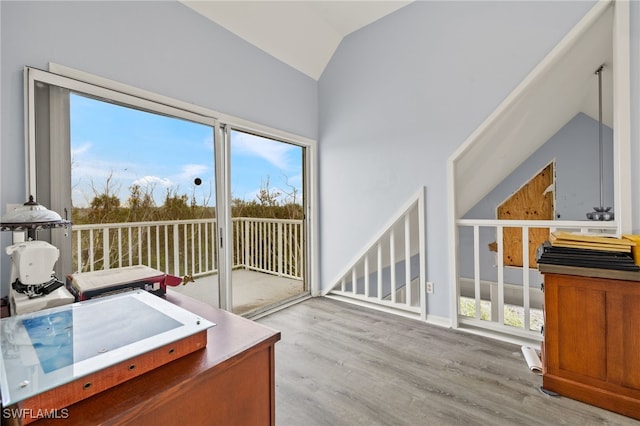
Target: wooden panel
[592,332]
[531,202]
[582,331]
[631,341]
[237,395]
[99,381]
[512,239]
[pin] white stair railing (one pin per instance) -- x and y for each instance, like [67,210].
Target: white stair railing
[489,300]
[390,273]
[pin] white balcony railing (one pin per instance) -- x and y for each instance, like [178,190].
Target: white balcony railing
[495,293]
[181,247]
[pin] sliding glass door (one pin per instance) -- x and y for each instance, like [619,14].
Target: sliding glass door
[268,222]
[136,178]
[148,182]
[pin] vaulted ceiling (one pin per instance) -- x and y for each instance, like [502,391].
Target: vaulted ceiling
[302,34]
[305,35]
[562,85]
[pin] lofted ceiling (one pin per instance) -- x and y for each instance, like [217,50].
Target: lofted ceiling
[302,34]
[562,85]
[305,34]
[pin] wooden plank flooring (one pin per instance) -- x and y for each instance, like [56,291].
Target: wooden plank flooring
[341,364]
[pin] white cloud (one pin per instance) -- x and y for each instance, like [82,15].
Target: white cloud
[190,171]
[276,153]
[80,150]
[148,181]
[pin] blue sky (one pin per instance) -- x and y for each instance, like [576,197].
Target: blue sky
[162,153]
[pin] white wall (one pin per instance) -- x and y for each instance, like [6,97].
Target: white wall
[400,95]
[164,47]
[635,114]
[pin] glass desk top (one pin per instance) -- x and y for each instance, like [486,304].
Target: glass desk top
[45,349]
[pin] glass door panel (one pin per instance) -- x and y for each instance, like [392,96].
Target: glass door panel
[268,228]
[143,192]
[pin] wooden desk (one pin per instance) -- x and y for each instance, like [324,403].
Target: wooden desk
[230,382]
[591,349]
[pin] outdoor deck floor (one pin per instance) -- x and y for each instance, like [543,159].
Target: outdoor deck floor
[252,290]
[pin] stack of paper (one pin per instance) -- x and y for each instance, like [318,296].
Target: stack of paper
[588,251]
[591,242]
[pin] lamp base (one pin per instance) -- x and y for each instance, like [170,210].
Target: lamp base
[20,303]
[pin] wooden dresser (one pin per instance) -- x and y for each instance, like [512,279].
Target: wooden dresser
[230,382]
[591,348]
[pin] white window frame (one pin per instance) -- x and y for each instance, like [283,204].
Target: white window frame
[75,80]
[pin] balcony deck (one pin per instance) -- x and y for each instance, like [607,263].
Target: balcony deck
[252,290]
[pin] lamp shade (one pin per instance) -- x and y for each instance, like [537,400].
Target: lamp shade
[32,215]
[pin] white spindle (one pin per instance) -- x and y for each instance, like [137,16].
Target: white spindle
[354,281]
[525,277]
[79,251]
[500,276]
[195,249]
[379,269]
[476,269]
[366,276]
[392,264]
[91,250]
[149,245]
[407,259]
[158,247]
[245,260]
[200,225]
[105,249]
[280,247]
[120,245]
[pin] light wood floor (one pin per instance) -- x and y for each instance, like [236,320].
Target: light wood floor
[340,364]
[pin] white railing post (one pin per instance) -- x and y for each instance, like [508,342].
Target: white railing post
[184,261]
[247,231]
[476,270]
[500,238]
[280,245]
[392,263]
[354,281]
[176,250]
[525,277]
[120,245]
[158,257]
[148,245]
[91,250]
[79,251]
[105,248]
[366,276]
[407,259]
[379,268]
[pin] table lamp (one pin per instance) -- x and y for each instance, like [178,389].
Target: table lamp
[33,283]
